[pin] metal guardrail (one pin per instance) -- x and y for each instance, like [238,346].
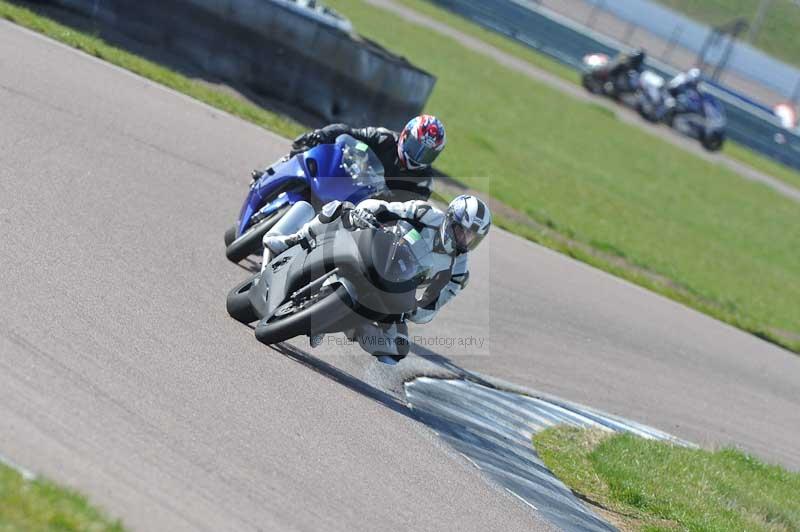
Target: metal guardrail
[568,41]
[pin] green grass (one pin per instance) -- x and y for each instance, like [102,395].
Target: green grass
[762,164]
[499,41]
[778,34]
[97,47]
[724,241]
[650,485]
[40,505]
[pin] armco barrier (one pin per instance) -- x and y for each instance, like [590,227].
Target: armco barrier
[277,52]
[568,42]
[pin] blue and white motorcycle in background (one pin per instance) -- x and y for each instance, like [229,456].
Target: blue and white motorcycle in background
[699,115]
[347,170]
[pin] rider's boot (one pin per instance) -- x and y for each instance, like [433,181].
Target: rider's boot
[388,342]
[277,244]
[274,245]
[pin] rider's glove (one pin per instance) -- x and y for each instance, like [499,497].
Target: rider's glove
[361,219]
[308,140]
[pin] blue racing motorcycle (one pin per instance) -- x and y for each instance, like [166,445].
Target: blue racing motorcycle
[347,170]
[700,115]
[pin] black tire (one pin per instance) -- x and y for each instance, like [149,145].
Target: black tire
[321,316]
[230,235]
[250,242]
[713,142]
[669,117]
[640,110]
[590,84]
[238,303]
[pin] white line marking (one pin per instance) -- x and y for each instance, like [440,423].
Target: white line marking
[522,499]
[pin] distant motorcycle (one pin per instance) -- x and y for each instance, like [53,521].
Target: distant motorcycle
[650,96]
[598,79]
[345,170]
[342,279]
[699,115]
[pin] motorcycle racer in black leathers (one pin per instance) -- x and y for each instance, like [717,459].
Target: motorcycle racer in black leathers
[406,156]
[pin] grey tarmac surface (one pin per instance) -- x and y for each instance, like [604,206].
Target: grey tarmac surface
[120,371]
[123,376]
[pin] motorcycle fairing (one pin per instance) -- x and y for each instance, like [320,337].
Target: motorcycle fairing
[319,168]
[288,175]
[356,254]
[331,181]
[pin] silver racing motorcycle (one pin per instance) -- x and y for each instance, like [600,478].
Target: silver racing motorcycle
[341,280]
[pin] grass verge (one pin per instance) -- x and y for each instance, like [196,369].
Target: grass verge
[95,46]
[499,41]
[762,164]
[42,505]
[640,484]
[720,241]
[642,208]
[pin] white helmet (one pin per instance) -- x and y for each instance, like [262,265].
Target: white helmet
[693,75]
[465,224]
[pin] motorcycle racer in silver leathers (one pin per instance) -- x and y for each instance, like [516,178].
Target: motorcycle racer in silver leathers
[449,236]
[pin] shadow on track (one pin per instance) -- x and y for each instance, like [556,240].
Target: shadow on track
[345,379]
[358,385]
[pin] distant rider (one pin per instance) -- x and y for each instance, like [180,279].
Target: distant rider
[681,84]
[684,82]
[406,156]
[622,68]
[449,237]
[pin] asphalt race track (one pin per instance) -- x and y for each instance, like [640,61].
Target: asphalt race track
[122,375]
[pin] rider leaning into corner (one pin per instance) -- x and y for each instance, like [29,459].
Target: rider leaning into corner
[449,236]
[406,156]
[682,83]
[625,63]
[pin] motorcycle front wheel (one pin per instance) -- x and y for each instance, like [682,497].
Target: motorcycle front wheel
[322,312]
[250,241]
[713,142]
[238,303]
[591,84]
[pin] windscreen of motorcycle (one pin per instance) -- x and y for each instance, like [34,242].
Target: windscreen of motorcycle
[361,163]
[396,258]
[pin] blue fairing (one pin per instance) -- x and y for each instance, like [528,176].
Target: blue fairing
[316,175]
[332,182]
[289,175]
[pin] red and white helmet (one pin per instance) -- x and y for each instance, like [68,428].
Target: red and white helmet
[421,141]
